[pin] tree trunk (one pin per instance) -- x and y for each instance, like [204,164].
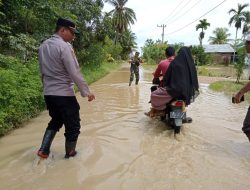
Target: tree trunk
[235,44]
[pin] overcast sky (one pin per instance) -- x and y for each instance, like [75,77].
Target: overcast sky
[180,17]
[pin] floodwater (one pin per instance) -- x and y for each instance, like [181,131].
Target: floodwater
[119,148]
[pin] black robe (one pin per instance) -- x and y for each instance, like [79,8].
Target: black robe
[181,79]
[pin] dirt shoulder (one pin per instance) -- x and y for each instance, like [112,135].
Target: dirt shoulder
[209,80]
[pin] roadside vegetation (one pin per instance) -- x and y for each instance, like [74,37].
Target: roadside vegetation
[105,40]
[229,88]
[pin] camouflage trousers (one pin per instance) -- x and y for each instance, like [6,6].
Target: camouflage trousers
[134,70]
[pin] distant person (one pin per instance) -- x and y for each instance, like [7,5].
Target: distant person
[135,62]
[241,92]
[180,82]
[163,66]
[60,70]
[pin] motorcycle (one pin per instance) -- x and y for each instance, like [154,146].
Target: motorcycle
[175,112]
[175,115]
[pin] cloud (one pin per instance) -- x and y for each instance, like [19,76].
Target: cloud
[158,12]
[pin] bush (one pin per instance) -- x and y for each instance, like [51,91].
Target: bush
[92,57]
[20,92]
[24,46]
[114,50]
[199,55]
[240,64]
[154,52]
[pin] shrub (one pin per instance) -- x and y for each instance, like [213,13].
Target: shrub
[20,92]
[199,55]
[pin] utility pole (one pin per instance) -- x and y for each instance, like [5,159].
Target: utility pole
[162,26]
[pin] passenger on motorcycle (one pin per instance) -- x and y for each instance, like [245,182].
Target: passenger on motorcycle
[179,82]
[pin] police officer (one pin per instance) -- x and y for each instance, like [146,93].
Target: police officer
[60,71]
[240,94]
[134,68]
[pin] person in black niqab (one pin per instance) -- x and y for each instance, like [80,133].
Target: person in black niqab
[180,82]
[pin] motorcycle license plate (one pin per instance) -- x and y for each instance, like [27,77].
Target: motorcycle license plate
[178,115]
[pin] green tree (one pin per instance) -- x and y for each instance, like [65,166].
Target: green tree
[105,28]
[220,36]
[122,17]
[4,29]
[128,43]
[199,55]
[111,50]
[240,64]
[153,52]
[246,27]
[203,26]
[237,18]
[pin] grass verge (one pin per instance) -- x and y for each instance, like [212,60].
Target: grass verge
[229,88]
[93,74]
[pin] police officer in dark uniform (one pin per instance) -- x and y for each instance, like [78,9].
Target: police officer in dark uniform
[240,96]
[134,68]
[60,71]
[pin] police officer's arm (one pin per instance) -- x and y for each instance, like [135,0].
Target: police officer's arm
[40,68]
[241,92]
[71,64]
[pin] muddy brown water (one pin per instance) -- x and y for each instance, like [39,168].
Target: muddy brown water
[119,148]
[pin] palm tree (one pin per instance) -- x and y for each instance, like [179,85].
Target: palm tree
[122,16]
[220,36]
[237,18]
[203,26]
[128,42]
[246,26]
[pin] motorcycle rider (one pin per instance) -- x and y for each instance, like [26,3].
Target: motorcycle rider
[180,82]
[162,68]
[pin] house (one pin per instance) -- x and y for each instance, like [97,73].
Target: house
[220,53]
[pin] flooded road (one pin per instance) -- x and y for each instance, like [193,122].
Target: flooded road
[119,148]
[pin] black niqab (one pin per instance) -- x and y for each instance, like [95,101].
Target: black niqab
[181,77]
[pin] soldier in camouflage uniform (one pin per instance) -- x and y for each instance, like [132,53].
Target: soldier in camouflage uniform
[134,68]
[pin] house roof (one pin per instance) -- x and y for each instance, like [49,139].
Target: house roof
[218,48]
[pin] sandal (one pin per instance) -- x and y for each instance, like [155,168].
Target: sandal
[153,113]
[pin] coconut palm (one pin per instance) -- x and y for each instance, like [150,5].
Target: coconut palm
[203,26]
[220,36]
[122,16]
[246,26]
[128,42]
[238,17]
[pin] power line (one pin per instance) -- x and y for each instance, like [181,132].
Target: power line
[185,12]
[188,2]
[197,18]
[176,8]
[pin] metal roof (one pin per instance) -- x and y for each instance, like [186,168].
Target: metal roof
[218,48]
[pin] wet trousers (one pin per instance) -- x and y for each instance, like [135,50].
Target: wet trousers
[64,110]
[246,123]
[159,98]
[134,70]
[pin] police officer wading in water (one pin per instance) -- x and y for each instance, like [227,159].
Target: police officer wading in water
[60,71]
[134,68]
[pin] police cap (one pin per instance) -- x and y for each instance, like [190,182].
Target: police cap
[67,23]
